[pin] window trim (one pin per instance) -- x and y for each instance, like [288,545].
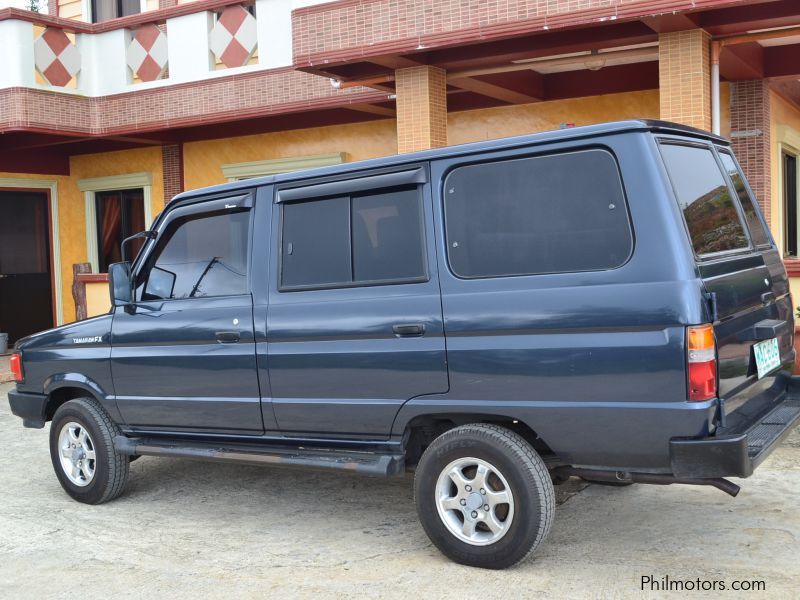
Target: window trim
[92,185]
[342,187]
[418,188]
[543,154]
[711,147]
[216,204]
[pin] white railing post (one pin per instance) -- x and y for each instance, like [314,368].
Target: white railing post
[274,21]
[16,48]
[104,68]
[189,56]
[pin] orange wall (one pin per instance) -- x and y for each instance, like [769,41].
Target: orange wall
[66,216]
[71,211]
[203,160]
[785,132]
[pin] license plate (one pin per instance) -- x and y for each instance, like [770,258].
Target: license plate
[768,357]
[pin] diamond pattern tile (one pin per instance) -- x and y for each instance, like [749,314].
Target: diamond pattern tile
[233,38]
[57,59]
[147,54]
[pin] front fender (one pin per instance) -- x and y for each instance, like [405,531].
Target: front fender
[60,381]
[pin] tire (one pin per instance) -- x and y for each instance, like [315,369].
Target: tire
[508,464]
[80,430]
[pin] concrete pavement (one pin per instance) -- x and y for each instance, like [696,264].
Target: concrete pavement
[189,529]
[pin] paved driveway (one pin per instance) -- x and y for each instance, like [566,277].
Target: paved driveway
[193,529]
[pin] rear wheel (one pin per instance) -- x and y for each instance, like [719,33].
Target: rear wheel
[82,452]
[484,496]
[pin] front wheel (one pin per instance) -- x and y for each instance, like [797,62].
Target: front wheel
[484,496]
[82,452]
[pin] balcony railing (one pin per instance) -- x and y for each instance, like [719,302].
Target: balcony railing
[187,42]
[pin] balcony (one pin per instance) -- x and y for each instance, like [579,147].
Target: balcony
[207,68]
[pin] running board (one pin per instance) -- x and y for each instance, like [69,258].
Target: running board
[367,463]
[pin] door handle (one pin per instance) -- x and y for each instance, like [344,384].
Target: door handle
[767,297]
[409,330]
[228,337]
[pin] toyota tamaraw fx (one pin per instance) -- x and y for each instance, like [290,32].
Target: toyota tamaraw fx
[603,302]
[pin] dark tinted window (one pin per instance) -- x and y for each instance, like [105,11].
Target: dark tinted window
[387,236]
[204,255]
[547,214]
[704,198]
[754,224]
[364,238]
[316,242]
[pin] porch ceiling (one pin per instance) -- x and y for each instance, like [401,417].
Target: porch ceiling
[749,61]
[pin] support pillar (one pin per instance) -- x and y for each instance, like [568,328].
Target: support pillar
[684,73]
[421,108]
[172,170]
[750,137]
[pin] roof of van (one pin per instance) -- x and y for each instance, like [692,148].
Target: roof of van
[558,135]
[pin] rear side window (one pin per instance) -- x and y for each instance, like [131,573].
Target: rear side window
[545,214]
[353,240]
[754,223]
[705,199]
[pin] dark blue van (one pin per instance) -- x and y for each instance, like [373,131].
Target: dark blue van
[603,302]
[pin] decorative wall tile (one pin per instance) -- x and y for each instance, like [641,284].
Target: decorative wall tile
[147,53]
[56,57]
[233,38]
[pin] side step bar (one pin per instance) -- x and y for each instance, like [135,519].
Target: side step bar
[383,465]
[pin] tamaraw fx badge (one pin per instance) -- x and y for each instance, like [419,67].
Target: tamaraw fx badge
[87,340]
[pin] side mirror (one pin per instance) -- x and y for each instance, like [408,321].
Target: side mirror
[119,283]
[160,284]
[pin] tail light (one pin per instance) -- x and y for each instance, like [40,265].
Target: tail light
[701,358]
[16,367]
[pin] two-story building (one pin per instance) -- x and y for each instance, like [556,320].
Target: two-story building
[110,107]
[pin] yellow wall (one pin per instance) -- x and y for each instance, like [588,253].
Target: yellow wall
[203,160]
[782,114]
[360,141]
[71,211]
[70,9]
[98,301]
[66,210]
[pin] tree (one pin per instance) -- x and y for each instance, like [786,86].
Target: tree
[32,5]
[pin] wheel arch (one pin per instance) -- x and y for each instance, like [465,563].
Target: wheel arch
[420,430]
[63,387]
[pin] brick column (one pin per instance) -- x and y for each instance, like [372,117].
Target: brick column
[750,136]
[172,170]
[421,108]
[684,74]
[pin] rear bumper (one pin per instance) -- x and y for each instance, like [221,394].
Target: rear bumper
[29,407]
[737,453]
